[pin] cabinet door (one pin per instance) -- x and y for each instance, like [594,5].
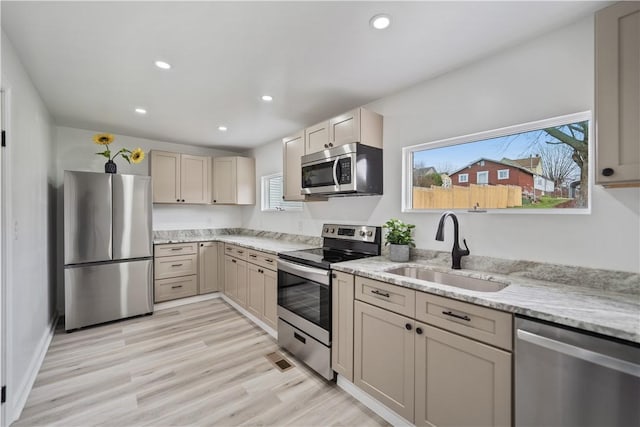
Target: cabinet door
[195,176]
[270,298]
[242,289]
[384,356]
[460,381]
[618,94]
[292,151]
[255,297]
[165,175]
[345,128]
[231,277]
[342,295]
[224,180]
[316,138]
[208,280]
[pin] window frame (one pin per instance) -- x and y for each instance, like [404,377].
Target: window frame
[485,173]
[407,163]
[265,206]
[466,178]
[503,170]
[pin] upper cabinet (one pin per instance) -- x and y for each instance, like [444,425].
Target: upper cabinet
[618,95]
[180,178]
[292,151]
[359,125]
[234,181]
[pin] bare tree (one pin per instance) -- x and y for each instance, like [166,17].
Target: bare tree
[558,165]
[576,136]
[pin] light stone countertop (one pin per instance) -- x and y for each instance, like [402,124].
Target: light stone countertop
[613,314]
[601,301]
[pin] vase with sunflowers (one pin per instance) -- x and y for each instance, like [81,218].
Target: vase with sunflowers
[135,156]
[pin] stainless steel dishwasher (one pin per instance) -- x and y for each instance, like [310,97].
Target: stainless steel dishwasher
[568,378]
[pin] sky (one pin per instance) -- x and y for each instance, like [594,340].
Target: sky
[452,158]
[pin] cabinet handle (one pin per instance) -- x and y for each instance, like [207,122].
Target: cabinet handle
[457,316]
[330,144]
[607,171]
[269,260]
[229,249]
[240,252]
[253,255]
[176,265]
[408,326]
[419,331]
[382,294]
[326,145]
[176,286]
[177,249]
[299,338]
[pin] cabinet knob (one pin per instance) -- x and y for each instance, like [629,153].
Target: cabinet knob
[177,200]
[419,331]
[183,200]
[607,171]
[408,326]
[201,244]
[330,144]
[214,201]
[334,276]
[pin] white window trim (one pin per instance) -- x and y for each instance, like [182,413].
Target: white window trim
[503,170]
[465,180]
[485,173]
[407,162]
[286,206]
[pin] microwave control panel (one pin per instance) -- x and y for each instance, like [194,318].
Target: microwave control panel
[344,170]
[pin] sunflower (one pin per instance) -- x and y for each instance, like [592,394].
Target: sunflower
[103,138]
[137,155]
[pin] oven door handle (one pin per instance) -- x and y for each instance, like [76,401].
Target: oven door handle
[310,273]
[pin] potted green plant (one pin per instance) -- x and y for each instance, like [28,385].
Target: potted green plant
[399,239]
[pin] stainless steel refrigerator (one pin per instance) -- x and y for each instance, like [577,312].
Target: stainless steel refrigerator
[108,248]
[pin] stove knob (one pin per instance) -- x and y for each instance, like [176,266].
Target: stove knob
[333,230]
[369,233]
[326,229]
[362,233]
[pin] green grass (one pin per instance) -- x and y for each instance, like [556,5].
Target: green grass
[544,202]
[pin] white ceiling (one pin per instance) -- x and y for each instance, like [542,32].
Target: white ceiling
[93,61]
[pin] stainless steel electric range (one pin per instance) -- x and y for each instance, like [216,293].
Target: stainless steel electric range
[304,291]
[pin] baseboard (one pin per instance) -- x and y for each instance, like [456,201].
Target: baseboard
[16,404]
[268,329]
[387,414]
[184,301]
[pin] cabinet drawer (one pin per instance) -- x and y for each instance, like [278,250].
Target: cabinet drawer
[175,266]
[175,249]
[390,297]
[235,251]
[480,323]
[180,287]
[262,259]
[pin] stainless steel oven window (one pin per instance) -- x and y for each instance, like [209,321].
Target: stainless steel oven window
[306,298]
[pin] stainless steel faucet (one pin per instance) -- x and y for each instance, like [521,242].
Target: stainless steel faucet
[456,253]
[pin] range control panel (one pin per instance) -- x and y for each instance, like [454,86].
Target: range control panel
[361,233]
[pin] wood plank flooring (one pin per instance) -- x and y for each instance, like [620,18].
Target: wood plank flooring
[199,364]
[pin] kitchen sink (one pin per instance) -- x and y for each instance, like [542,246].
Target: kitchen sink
[471,283]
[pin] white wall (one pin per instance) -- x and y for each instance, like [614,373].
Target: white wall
[547,77]
[30,229]
[76,151]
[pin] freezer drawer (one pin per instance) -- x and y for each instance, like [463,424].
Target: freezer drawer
[100,293]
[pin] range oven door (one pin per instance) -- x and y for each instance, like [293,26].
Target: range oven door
[327,175]
[304,299]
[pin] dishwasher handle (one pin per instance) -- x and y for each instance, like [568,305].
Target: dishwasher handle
[580,353]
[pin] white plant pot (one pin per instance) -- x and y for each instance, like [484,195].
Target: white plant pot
[399,253]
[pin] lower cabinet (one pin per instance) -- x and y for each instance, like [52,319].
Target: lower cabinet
[342,293]
[432,376]
[231,277]
[262,288]
[175,271]
[211,267]
[255,302]
[384,352]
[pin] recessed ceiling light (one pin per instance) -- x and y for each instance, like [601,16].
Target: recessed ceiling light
[163,65]
[141,110]
[380,22]
[267,98]
[222,128]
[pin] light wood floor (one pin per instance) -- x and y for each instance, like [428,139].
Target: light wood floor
[198,364]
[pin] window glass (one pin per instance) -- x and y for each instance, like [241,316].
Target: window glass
[272,191]
[539,165]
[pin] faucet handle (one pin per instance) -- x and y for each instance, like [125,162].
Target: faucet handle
[467,252]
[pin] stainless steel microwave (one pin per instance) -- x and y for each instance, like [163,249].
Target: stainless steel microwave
[347,170]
